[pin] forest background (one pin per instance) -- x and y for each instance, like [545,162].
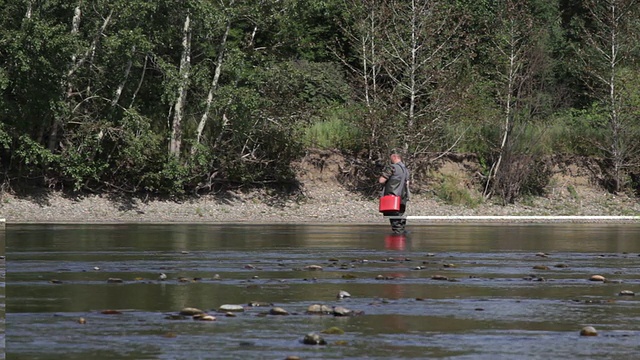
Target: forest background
[181,97]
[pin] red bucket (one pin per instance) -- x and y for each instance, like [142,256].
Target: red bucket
[389,203]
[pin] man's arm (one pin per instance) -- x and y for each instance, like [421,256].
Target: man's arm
[386,174]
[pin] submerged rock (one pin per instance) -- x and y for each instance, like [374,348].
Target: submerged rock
[313,267]
[588,331]
[259,304]
[313,339]
[278,311]
[626,293]
[190,311]
[230,307]
[319,309]
[540,267]
[111,312]
[334,330]
[341,311]
[597,278]
[204,317]
[617,281]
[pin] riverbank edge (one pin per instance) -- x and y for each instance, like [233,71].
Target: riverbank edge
[320,205]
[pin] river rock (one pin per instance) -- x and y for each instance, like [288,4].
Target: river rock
[334,330]
[111,312]
[313,339]
[259,304]
[540,267]
[319,309]
[588,331]
[278,311]
[341,311]
[313,267]
[343,294]
[190,311]
[626,293]
[597,278]
[230,307]
[204,317]
[439,277]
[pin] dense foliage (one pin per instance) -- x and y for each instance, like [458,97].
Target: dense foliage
[172,97]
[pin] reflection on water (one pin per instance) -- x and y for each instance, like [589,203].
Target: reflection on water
[443,291]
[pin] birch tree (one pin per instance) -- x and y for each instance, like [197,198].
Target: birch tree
[511,43]
[364,30]
[611,37]
[419,42]
[175,142]
[214,82]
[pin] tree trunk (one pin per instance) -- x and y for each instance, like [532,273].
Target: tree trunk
[185,62]
[57,123]
[493,172]
[212,88]
[127,70]
[616,154]
[144,70]
[27,15]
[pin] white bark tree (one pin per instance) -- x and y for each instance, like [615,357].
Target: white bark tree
[419,42]
[511,43]
[175,142]
[213,87]
[365,37]
[612,37]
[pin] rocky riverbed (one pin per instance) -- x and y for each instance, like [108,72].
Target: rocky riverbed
[320,203]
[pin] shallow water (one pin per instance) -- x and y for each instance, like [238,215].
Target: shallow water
[492,306]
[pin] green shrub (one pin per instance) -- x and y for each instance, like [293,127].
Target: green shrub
[335,132]
[449,191]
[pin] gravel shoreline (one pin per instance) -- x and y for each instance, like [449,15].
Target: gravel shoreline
[320,204]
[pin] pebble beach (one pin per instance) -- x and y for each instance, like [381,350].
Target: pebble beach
[319,203]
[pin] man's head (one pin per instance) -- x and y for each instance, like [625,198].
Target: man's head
[395,157]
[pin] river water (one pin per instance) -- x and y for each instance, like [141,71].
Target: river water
[490,301]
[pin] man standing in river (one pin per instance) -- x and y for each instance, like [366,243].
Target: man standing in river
[395,178]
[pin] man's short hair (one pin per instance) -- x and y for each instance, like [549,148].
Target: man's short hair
[395,152]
